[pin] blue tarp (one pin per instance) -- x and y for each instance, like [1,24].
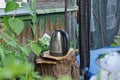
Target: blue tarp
[94,54]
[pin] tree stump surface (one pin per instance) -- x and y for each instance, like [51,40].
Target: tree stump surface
[48,65]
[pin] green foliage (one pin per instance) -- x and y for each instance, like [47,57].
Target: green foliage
[43,44]
[26,50]
[13,68]
[27,8]
[9,38]
[5,18]
[1,52]
[101,56]
[36,48]
[11,5]
[34,18]
[116,41]
[13,26]
[16,25]
[71,44]
[14,64]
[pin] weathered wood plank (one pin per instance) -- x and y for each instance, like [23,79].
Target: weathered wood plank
[42,4]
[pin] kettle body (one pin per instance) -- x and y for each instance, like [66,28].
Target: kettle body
[59,43]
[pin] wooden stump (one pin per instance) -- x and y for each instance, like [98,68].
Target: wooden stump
[48,65]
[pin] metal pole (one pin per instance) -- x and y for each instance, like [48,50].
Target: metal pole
[84,26]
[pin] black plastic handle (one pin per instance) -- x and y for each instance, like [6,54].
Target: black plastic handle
[66,40]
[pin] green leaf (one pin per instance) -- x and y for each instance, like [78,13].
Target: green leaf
[1,52]
[36,48]
[5,18]
[0,36]
[42,42]
[27,8]
[26,50]
[34,5]
[34,18]
[71,44]
[114,44]
[9,39]
[16,25]
[101,56]
[34,24]
[11,5]
[17,68]
[5,74]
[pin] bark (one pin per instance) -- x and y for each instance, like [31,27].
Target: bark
[48,65]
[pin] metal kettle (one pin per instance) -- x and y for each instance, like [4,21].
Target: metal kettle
[59,43]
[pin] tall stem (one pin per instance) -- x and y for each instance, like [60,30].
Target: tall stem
[14,14]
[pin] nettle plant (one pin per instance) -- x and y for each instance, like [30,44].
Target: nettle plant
[14,64]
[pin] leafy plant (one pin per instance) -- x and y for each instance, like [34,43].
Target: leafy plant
[71,44]
[13,68]
[13,55]
[11,28]
[116,41]
[44,42]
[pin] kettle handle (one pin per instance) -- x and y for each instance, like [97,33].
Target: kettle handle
[66,49]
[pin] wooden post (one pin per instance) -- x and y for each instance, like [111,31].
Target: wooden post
[57,67]
[84,31]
